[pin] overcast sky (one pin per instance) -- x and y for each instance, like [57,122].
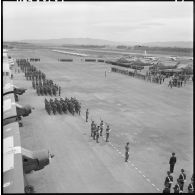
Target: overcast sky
[115,21]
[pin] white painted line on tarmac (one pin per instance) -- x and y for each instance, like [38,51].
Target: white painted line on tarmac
[128,161]
[148,180]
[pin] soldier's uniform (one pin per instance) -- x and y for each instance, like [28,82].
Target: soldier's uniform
[107,132]
[182,178]
[168,180]
[166,190]
[97,134]
[94,131]
[191,187]
[92,128]
[101,127]
[127,152]
[59,91]
[87,115]
[177,187]
[172,162]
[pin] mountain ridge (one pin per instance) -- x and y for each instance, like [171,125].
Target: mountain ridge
[91,41]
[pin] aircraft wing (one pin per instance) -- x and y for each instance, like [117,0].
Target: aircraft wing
[13,177]
[8,87]
[9,106]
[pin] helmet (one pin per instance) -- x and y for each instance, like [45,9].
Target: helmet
[173,153]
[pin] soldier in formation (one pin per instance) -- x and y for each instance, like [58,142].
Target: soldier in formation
[182,178]
[93,127]
[63,106]
[42,85]
[168,180]
[191,186]
[97,133]
[45,87]
[101,127]
[177,187]
[166,190]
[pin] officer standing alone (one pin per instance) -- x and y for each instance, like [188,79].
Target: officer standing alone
[127,152]
[59,90]
[107,132]
[172,162]
[87,115]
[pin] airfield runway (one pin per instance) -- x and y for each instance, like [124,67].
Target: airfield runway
[155,119]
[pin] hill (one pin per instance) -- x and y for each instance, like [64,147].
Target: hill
[90,41]
[72,41]
[180,44]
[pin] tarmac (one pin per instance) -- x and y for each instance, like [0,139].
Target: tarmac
[155,119]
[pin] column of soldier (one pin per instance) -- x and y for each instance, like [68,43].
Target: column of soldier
[61,106]
[42,85]
[178,80]
[179,186]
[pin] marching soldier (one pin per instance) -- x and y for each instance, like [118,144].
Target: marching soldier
[97,134]
[107,132]
[191,187]
[101,127]
[127,152]
[177,187]
[172,162]
[168,180]
[182,178]
[87,115]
